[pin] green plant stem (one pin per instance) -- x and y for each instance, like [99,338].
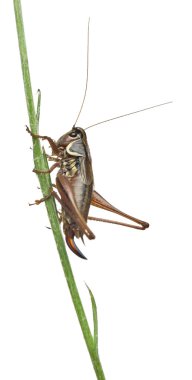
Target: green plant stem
[40,162]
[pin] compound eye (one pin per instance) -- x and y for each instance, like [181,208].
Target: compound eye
[73,133]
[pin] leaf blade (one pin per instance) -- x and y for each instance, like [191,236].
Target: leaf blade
[95,319]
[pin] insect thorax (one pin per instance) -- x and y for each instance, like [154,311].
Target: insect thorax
[70,165]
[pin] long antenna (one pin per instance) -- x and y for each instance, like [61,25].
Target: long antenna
[87,76]
[128,114]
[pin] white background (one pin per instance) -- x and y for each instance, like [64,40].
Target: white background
[140,55]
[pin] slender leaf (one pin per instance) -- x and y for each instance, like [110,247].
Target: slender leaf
[95,319]
[40,161]
[38,109]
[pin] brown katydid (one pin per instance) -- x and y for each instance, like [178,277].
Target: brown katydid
[75,184]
